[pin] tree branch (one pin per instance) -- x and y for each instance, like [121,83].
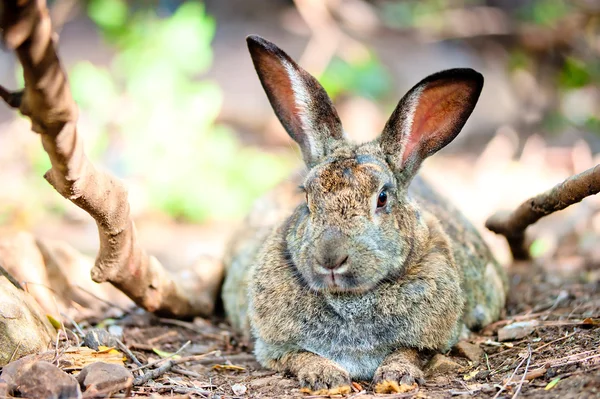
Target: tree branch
[47,101]
[512,225]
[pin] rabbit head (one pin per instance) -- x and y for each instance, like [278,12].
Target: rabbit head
[358,226]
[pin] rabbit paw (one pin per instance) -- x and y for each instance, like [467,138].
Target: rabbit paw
[397,378]
[326,379]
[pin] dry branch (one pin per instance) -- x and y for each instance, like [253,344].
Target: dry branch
[512,225]
[47,101]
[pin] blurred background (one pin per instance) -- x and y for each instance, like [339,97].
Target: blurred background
[170,103]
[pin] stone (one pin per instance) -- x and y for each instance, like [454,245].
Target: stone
[24,327]
[106,378]
[31,378]
[469,351]
[517,330]
[441,364]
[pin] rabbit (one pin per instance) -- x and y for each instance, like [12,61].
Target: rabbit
[370,271]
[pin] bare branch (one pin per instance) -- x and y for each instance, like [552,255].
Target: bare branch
[512,225]
[47,101]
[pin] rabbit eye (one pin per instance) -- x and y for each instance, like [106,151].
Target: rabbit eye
[382,199]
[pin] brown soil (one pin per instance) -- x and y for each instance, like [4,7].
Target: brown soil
[565,345]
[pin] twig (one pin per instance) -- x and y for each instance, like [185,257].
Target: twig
[183,390]
[152,374]
[512,225]
[524,372]
[503,387]
[47,101]
[73,323]
[15,351]
[357,394]
[552,342]
[130,354]
[240,357]
[163,359]
[185,372]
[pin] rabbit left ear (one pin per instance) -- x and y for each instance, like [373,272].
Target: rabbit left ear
[428,118]
[299,101]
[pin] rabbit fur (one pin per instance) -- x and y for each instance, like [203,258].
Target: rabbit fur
[364,271]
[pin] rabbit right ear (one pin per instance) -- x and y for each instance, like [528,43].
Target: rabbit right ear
[429,117]
[299,101]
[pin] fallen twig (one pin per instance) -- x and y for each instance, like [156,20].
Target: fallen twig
[512,225]
[141,367]
[183,390]
[130,354]
[536,350]
[524,372]
[503,387]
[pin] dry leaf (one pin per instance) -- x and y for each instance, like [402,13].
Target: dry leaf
[228,367]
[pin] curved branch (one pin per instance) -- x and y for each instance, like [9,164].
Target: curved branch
[47,101]
[512,225]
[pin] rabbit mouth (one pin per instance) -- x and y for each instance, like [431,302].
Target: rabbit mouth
[338,282]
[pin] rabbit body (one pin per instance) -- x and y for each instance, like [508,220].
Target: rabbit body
[373,269]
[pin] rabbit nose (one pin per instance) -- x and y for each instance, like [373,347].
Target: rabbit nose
[332,263]
[330,253]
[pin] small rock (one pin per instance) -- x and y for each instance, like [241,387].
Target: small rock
[99,337]
[516,330]
[467,350]
[482,375]
[39,379]
[440,364]
[238,389]
[104,377]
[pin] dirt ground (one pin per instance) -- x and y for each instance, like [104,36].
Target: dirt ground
[559,356]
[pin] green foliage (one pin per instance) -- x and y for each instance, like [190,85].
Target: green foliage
[366,78]
[544,12]
[108,14]
[156,120]
[574,74]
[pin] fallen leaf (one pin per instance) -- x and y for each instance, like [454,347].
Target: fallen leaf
[228,367]
[552,384]
[164,354]
[590,322]
[394,387]
[343,390]
[55,323]
[357,387]
[79,357]
[471,375]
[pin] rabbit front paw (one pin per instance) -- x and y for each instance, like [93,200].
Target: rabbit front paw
[397,377]
[325,378]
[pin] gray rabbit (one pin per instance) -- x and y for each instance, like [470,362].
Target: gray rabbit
[367,270]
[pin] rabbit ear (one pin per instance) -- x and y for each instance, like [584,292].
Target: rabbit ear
[299,101]
[429,117]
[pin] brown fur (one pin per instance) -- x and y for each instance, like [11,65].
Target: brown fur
[347,286]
